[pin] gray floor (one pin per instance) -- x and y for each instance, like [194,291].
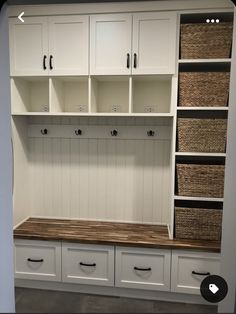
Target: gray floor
[43,301]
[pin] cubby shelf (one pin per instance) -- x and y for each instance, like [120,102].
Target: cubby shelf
[204,60]
[203,108]
[204,199]
[200,154]
[93,114]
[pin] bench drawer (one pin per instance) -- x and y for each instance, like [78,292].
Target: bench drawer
[39,260]
[190,268]
[88,264]
[143,268]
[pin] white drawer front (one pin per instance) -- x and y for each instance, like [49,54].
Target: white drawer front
[185,263]
[40,260]
[88,264]
[143,268]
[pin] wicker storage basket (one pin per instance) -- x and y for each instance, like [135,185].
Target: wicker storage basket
[206,41]
[203,89]
[202,135]
[200,180]
[198,223]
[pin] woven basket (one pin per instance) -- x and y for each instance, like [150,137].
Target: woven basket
[203,89]
[206,41]
[198,223]
[202,135]
[200,180]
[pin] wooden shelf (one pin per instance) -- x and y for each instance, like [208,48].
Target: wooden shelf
[204,199]
[108,233]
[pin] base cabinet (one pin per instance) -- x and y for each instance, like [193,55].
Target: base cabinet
[190,268]
[114,266]
[88,264]
[39,260]
[147,269]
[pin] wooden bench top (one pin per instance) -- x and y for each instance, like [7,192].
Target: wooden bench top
[108,233]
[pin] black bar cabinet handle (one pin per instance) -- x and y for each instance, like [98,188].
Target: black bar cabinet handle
[200,274]
[88,265]
[128,61]
[50,62]
[35,260]
[142,269]
[135,60]
[44,62]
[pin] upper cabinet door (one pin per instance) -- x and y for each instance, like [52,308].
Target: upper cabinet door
[154,43]
[28,46]
[110,44]
[68,45]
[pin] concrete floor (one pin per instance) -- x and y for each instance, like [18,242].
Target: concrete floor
[43,301]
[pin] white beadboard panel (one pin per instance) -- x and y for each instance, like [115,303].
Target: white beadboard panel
[104,179]
[100,131]
[100,120]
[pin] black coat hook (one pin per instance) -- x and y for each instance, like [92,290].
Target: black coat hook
[44,131]
[150,133]
[78,132]
[114,133]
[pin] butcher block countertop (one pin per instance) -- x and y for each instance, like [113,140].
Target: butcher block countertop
[108,233]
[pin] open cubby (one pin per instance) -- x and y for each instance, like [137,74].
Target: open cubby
[110,94]
[30,94]
[69,94]
[151,94]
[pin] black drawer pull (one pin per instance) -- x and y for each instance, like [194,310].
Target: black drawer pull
[88,265]
[44,62]
[35,260]
[142,269]
[200,274]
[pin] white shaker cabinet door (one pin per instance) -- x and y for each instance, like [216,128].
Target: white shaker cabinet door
[110,44]
[28,46]
[154,43]
[68,45]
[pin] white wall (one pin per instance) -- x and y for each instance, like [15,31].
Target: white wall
[7,303]
[228,269]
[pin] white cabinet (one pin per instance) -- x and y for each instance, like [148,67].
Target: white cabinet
[190,268]
[153,36]
[68,45]
[88,264]
[39,260]
[154,43]
[56,45]
[28,46]
[141,268]
[110,44]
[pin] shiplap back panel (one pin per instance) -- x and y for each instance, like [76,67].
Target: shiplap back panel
[108,179]
[104,179]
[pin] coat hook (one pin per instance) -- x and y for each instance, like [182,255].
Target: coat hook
[78,132]
[114,133]
[44,131]
[150,133]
